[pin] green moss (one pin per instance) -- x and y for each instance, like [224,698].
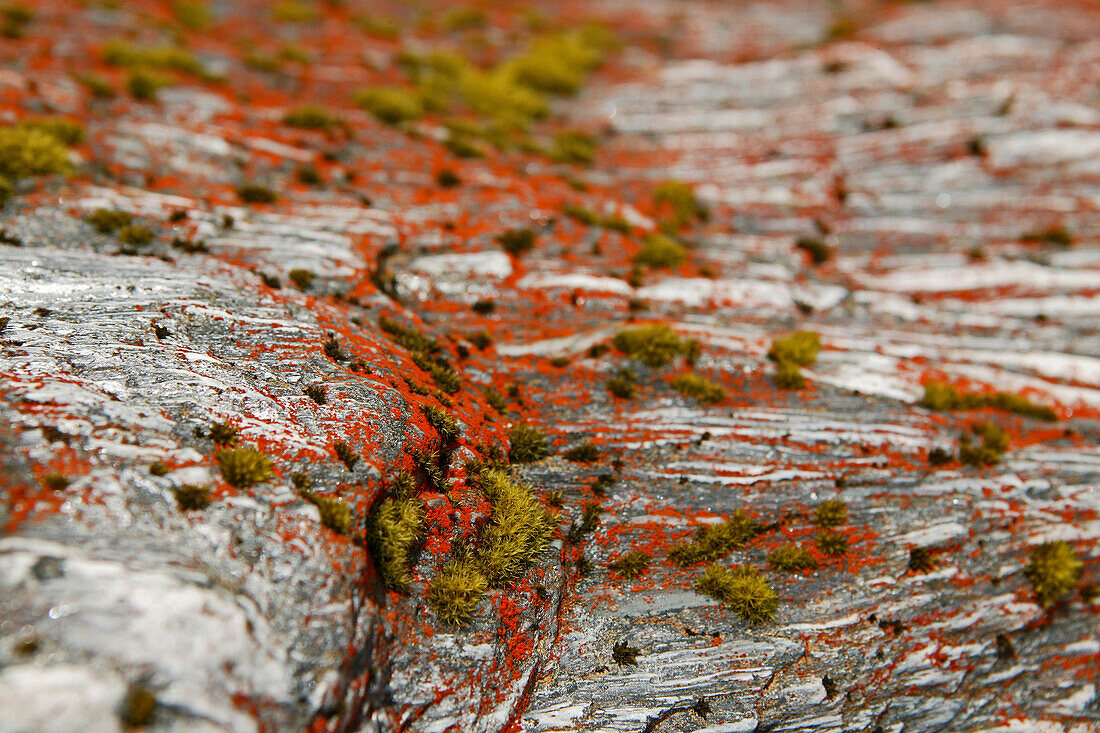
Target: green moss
[921,560]
[623,384]
[677,204]
[106,221]
[528,444]
[659,250]
[456,591]
[584,453]
[518,530]
[26,151]
[944,398]
[138,707]
[994,443]
[791,558]
[255,193]
[380,27]
[632,564]
[192,14]
[408,337]
[819,252]
[622,653]
[713,542]
[190,497]
[744,589]
[299,55]
[459,19]
[517,241]
[135,235]
[799,348]
[701,388]
[1057,236]
[557,64]
[333,350]
[96,85]
[310,117]
[391,105]
[171,58]
[295,11]
[495,399]
[831,542]
[427,462]
[831,513]
[143,85]
[580,213]
[442,421]
[262,62]
[14,19]
[346,454]
[222,433]
[573,146]
[302,278]
[395,527]
[481,339]
[789,376]
[1053,571]
[335,512]
[589,521]
[66,131]
[55,481]
[654,345]
[496,96]
[463,146]
[447,178]
[445,378]
[243,467]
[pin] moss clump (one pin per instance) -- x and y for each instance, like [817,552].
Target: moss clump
[255,193]
[26,151]
[921,560]
[622,654]
[192,14]
[302,278]
[139,706]
[395,526]
[391,105]
[456,591]
[584,453]
[410,338]
[135,235]
[1053,571]
[573,146]
[799,348]
[316,392]
[447,178]
[654,345]
[333,350]
[791,558]
[1057,236]
[190,497]
[516,241]
[945,398]
[310,117]
[677,205]
[580,214]
[589,521]
[244,467]
[106,221]
[831,542]
[623,384]
[744,589]
[528,444]
[442,421]
[518,530]
[819,252]
[15,18]
[557,64]
[711,543]
[170,58]
[831,513]
[346,454]
[631,565]
[144,85]
[446,379]
[55,481]
[789,376]
[222,433]
[701,388]
[495,399]
[987,453]
[335,512]
[659,250]
[67,131]
[295,11]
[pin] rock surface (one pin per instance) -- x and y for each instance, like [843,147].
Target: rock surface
[943,153]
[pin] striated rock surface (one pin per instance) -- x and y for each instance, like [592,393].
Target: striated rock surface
[915,182]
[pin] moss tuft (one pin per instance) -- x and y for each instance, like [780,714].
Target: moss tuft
[442,421]
[654,345]
[190,497]
[921,560]
[789,376]
[391,105]
[106,221]
[677,204]
[791,558]
[408,337]
[222,433]
[310,117]
[395,526]
[990,451]
[456,591]
[519,528]
[138,707]
[1053,571]
[744,589]
[831,542]
[335,512]
[346,454]
[26,151]
[302,278]
[713,542]
[945,398]
[799,348]
[573,146]
[143,85]
[816,248]
[631,565]
[255,193]
[135,235]
[701,388]
[528,444]
[65,130]
[243,467]
[831,513]
[517,241]
[622,654]
[659,250]
[316,392]
[584,453]
[623,384]
[295,11]
[55,481]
